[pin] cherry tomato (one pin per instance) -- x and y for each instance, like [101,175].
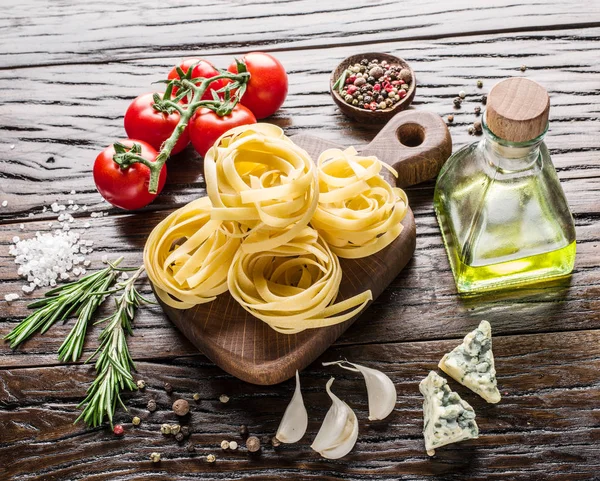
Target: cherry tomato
[206,126]
[126,188]
[268,84]
[203,69]
[143,122]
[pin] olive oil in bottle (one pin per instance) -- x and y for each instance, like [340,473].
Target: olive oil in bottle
[502,212]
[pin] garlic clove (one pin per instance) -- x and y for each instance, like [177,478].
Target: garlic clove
[339,431]
[294,423]
[380,389]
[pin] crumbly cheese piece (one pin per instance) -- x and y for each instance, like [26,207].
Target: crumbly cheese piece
[448,418]
[359,213]
[472,363]
[293,287]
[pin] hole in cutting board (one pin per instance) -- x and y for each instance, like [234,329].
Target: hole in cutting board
[410,134]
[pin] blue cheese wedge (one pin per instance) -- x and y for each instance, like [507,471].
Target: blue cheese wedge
[448,419]
[472,363]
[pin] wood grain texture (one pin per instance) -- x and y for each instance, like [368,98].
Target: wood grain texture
[547,425]
[53,121]
[108,31]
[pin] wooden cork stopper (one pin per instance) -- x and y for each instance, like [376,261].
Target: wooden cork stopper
[517,109]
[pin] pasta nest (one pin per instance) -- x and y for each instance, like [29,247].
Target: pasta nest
[187,256]
[257,176]
[293,287]
[359,213]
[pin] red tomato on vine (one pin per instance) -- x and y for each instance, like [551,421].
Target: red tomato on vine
[127,188]
[268,84]
[206,126]
[144,122]
[203,69]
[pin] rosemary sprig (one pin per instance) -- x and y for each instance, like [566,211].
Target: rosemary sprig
[114,363]
[81,296]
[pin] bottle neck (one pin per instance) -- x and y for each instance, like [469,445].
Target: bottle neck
[507,155]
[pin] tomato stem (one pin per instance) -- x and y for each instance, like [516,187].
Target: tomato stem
[221,107]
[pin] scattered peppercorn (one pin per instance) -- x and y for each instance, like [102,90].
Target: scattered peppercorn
[175,428]
[243,431]
[118,430]
[196,397]
[471,130]
[181,407]
[179,437]
[450,118]
[253,444]
[185,430]
[477,126]
[155,457]
[275,442]
[233,445]
[211,458]
[462,94]
[224,444]
[141,384]
[457,101]
[136,421]
[477,110]
[266,439]
[479,84]
[151,406]
[224,398]
[523,68]
[165,429]
[168,388]
[190,448]
[484,99]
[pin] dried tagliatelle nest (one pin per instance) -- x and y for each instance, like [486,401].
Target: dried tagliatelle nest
[257,176]
[359,213]
[187,256]
[293,287]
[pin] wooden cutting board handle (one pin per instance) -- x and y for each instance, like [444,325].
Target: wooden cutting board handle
[416,143]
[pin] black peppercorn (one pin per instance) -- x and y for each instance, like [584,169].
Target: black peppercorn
[275,442]
[361,104]
[477,110]
[364,62]
[185,431]
[371,80]
[168,388]
[457,101]
[384,94]
[151,406]
[190,448]
[243,430]
[179,436]
[364,89]
[484,99]
[367,99]
[380,98]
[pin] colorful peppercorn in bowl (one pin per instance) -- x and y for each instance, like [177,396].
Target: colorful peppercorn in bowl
[373,87]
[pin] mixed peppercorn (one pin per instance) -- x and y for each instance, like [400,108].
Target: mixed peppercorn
[373,84]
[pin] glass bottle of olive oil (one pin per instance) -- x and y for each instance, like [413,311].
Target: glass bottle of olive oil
[500,206]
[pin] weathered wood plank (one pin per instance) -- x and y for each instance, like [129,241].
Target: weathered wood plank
[546,425]
[71,131]
[67,32]
[412,308]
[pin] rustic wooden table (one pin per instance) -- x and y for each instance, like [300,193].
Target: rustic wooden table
[67,73]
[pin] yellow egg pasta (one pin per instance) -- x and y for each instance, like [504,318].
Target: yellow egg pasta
[359,213]
[187,256]
[293,287]
[257,176]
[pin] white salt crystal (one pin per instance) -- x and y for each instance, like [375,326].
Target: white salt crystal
[73,192]
[86,263]
[70,201]
[21,226]
[105,259]
[15,239]
[30,215]
[86,225]
[4,203]
[44,209]
[54,207]
[11,297]
[75,207]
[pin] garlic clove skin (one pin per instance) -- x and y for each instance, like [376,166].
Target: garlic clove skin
[381,391]
[339,431]
[294,423]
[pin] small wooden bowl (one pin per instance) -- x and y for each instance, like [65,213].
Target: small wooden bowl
[363,115]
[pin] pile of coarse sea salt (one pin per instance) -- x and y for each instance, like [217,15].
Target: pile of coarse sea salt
[50,257]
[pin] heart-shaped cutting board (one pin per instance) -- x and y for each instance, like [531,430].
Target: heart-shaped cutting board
[416,144]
